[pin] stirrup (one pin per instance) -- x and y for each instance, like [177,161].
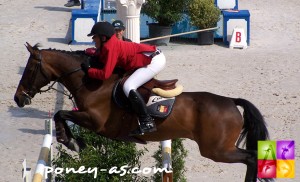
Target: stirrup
[135,132]
[144,128]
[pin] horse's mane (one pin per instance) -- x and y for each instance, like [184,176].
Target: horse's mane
[79,53]
[83,56]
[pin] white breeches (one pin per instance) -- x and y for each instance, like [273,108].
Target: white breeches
[144,74]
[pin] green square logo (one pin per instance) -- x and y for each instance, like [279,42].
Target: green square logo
[266,150]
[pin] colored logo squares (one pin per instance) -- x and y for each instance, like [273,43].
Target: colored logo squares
[276,159]
[285,150]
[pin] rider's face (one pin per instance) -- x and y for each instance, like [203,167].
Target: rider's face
[97,41]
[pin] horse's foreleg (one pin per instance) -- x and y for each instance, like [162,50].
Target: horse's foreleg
[63,132]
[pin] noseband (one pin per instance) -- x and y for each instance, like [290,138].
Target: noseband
[38,67]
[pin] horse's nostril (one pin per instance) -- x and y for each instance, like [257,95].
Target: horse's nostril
[21,103]
[27,101]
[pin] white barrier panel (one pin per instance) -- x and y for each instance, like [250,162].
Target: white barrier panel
[238,39]
[26,172]
[227,4]
[43,159]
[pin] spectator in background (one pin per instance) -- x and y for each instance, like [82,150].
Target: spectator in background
[120,29]
[72,3]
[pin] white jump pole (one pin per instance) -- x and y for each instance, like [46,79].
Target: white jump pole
[49,129]
[43,159]
[167,160]
[178,34]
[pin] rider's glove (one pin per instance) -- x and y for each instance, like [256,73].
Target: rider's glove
[90,51]
[85,67]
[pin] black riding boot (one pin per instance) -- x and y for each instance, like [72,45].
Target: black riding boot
[146,122]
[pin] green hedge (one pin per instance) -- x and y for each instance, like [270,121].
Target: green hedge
[104,153]
[100,153]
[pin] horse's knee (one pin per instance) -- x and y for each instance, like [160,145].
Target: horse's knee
[61,134]
[59,115]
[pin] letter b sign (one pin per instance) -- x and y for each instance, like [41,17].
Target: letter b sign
[238,36]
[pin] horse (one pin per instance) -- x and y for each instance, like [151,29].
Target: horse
[223,132]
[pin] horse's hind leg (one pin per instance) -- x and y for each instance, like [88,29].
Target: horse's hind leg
[251,162]
[234,155]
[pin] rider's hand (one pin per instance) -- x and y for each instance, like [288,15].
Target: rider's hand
[90,51]
[85,68]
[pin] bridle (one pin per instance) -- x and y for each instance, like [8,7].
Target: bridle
[39,67]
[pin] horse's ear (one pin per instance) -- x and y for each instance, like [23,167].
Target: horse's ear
[29,48]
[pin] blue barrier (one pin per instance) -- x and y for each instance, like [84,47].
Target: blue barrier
[89,12]
[90,4]
[83,20]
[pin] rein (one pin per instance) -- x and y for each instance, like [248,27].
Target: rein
[51,87]
[57,81]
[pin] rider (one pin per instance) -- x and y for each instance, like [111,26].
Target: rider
[146,60]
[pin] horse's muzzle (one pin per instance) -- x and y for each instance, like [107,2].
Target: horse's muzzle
[22,101]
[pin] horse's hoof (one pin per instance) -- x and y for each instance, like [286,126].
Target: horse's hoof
[81,143]
[73,145]
[61,139]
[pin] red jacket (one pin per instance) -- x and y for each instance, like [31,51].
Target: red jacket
[128,55]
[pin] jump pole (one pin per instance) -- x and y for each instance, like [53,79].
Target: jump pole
[178,34]
[49,129]
[167,160]
[43,159]
[45,156]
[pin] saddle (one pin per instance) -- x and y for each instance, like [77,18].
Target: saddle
[157,105]
[159,95]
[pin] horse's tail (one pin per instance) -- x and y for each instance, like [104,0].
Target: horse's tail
[254,128]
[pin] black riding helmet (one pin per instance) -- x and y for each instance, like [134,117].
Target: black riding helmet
[102,28]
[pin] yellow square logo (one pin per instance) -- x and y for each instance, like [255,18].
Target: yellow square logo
[285,169]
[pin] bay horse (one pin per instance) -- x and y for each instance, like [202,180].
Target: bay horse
[214,122]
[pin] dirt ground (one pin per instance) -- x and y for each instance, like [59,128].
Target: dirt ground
[267,73]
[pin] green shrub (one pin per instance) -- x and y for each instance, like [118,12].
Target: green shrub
[165,12]
[100,153]
[204,14]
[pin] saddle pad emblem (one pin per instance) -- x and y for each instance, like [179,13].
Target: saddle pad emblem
[159,106]
[162,108]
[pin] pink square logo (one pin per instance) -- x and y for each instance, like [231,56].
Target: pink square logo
[266,168]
